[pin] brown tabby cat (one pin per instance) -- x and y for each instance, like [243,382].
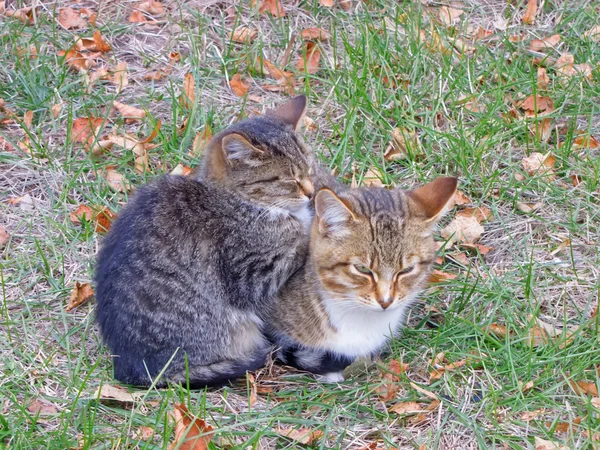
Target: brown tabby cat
[371,252]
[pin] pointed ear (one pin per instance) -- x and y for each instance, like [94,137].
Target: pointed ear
[433,200]
[292,111]
[237,148]
[332,214]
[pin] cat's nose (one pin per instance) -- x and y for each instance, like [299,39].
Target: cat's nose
[384,302]
[307,187]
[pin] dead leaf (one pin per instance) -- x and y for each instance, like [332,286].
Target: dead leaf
[402,141]
[391,377]
[481,213]
[326,3]
[498,330]
[273,7]
[422,417]
[137,17]
[42,408]
[482,249]
[310,58]
[188,95]
[191,432]
[406,408]
[543,444]
[82,213]
[4,236]
[181,170]
[71,19]
[303,435]
[528,416]
[527,386]
[541,129]
[537,105]
[26,15]
[539,164]
[576,180]
[144,434]
[542,78]
[373,178]
[95,44]
[151,7]
[76,60]
[238,85]
[104,219]
[285,79]
[538,336]
[155,76]
[314,34]
[81,293]
[115,180]
[253,396]
[200,141]
[86,129]
[585,141]
[537,45]
[566,68]
[130,113]
[461,199]
[564,427]
[439,276]
[593,33]
[449,15]
[119,76]
[529,207]
[463,230]
[530,12]
[244,34]
[56,110]
[423,391]
[111,395]
[584,387]
[25,202]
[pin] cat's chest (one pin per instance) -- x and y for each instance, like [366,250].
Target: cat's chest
[361,333]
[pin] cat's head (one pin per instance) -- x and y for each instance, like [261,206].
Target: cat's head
[263,159]
[373,248]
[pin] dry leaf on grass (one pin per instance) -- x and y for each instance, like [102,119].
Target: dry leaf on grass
[498,330]
[72,19]
[391,378]
[4,236]
[541,129]
[155,76]
[86,129]
[94,44]
[528,416]
[137,17]
[151,7]
[406,408]
[585,141]
[422,417]
[539,164]
[542,78]
[115,180]
[310,58]
[593,33]
[584,388]
[76,60]
[144,434]
[463,229]
[114,395]
[529,207]
[187,98]
[373,178]
[244,34]
[402,141]
[303,435]
[543,444]
[238,85]
[314,34]
[130,113]
[26,15]
[181,170]
[285,79]
[273,7]
[565,67]
[191,432]
[564,427]
[439,276]
[102,217]
[326,3]
[119,77]
[449,15]
[537,105]
[24,202]
[530,12]
[42,408]
[81,293]
[460,198]
[82,213]
[200,141]
[537,45]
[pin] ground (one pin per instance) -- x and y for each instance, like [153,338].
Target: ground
[516,325]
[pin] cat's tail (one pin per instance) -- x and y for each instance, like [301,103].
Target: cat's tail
[219,373]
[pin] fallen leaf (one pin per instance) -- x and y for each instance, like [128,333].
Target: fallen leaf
[593,33]
[104,219]
[482,33]
[542,78]
[449,15]
[82,213]
[406,408]
[188,95]
[564,427]
[155,76]
[130,113]
[463,230]
[25,202]
[585,141]
[482,249]
[181,170]
[85,129]
[527,386]
[537,105]
[244,34]
[273,7]
[584,387]
[537,45]
[285,79]
[481,213]
[81,293]
[137,17]
[310,58]
[253,395]
[539,164]
[460,198]
[543,444]
[100,45]
[422,417]
[565,67]
[528,416]
[314,34]
[439,276]
[119,76]
[373,178]
[538,336]
[56,110]
[238,85]
[4,236]
[144,434]
[402,142]
[303,435]
[529,207]
[71,19]
[26,15]
[530,12]
[326,3]
[76,60]
[423,391]
[200,141]
[498,330]
[391,377]
[114,395]
[151,7]
[115,180]
[42,408]
[576,180]
[191,432]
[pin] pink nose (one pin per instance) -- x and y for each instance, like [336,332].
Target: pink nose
[384,302]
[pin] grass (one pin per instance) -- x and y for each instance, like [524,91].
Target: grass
[56,357]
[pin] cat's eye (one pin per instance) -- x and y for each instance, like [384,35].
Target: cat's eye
[406,270]
[363,269]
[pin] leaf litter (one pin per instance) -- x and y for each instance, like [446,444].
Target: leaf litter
[191,432]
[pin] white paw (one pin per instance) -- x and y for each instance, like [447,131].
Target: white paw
[331,377]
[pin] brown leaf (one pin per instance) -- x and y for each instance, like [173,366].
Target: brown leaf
[155,76]
[481,213]
[389,388]
[4,236]
[151,7]
[115,180]
[42,408]
[273,7]
[538,336]
[238,85]
[76,60]
[461,199]
[71,19]
[130,113]
[439,276]
[584,387]
[373,178]
[285,79]
[111,395]
[314,34]
[449,15]
[188,95]
[191,432]
[537,104]
[483,249]
[537,45]
[137,17]
[564,427]
[310,58]
[422,417]
[303,435]
[542,78]
[82,213]
[593,33]
[144,434]
[463,230]
[406,408]
[100,44]
[25,15]
[498,330]
[585,141]
[326,3]
[529,207]
[543,444]
[119,76]
[85,129]
[104,219]
[244,34]
[527,386]
[56,108]
[181,170]
[81,293]
[528,416]
[253,396]
[200,141]
[402,141]
[423,391]
[539,164]
[530,12]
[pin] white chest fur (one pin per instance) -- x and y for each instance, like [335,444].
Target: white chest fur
[360,331]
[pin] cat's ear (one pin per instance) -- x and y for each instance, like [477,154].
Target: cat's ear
[332,214]
[431,201]
[237,148]
[292,111]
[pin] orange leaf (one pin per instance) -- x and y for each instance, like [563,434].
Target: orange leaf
[498,330]
[71,19]
[137,17]
[406,408]
[85,129]
[188,96]
[540,44]
[101,44]
[244,34]
[82,212]
[76,60]
[273,7]
[303,435]
[542,78]
[104,219]
[310,58]
[584,387]
[191,433]
[530,12]
[317,34]
[238,85]
[81,293]
[439,276]
[151,7]
[326,3]
[537,103]
[389,388]
[462,229]
[144,433]
[115,180]
[449,15]
[200,141]
[4,236]
[130,113]
[481,213]
[119,77]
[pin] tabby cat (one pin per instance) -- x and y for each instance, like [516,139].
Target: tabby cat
[190,263]
[371,252]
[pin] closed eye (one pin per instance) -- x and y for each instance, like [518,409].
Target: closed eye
[405,271]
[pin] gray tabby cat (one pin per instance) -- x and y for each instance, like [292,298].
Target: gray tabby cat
[187,268]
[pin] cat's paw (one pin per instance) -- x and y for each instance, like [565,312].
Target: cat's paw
[331,377]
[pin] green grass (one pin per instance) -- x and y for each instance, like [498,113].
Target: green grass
[56,357]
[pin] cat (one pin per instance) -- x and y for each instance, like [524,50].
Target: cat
[186,269]
[371,252]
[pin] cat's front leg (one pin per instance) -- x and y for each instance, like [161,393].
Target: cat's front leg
[325,365]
